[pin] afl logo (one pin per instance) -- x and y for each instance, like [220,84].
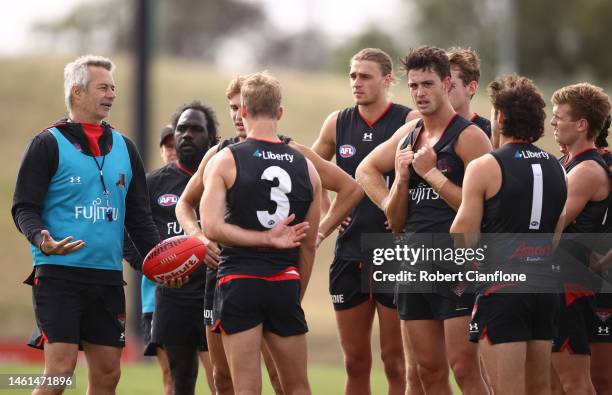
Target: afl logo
[167,200]
[346,151]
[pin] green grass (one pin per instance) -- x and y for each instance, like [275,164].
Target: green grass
[145,379]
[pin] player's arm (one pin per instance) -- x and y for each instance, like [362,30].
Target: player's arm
[219,176]
[325,145]
[582,184]
[472,144]
[412,115]
[468,221]
[396,203]
[308,246]
[348,192]
[370,172]
[189,202]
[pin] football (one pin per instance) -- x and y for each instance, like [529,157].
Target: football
[175,257]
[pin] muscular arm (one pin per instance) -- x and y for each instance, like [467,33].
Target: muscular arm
[325,145]
[371,170]
[189,201]
[580,191]
[472,144]
[348,192]
[308,246]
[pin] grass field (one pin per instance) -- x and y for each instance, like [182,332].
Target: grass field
[145,379]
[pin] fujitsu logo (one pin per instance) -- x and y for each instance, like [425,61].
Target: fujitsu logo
[423,192]
[96,212]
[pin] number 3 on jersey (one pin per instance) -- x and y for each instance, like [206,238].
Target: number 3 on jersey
[278,195]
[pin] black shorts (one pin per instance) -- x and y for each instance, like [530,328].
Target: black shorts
[244,303]
[209,296]
[513,317]
[602,328]
[432,306]
[150,348]
[68,312]
[575,325]
[345,286]
[178,322]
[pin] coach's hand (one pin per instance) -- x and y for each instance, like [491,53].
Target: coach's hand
[403,160]
[285,236]
[424,160]
[49,246]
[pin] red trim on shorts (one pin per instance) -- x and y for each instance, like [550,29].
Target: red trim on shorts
[370,124]
[285,275]
[218,325]
[483,335]
[43,339]
[35,280]
[267,141]
[496,288]
[604,309]
[567,346]
[575,291]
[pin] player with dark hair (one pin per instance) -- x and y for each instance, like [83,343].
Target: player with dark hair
[465,74]
[515,189]
[349,135]
[266,262]
[579,114]
[431,154]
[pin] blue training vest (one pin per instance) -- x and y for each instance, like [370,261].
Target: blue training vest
[75,205]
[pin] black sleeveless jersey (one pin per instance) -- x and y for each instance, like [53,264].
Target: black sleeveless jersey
[165,187]
[592,218]
[427,211]
[532,193]
[233,140]
[272,182]
[482,123]
[355,139]
[607,157]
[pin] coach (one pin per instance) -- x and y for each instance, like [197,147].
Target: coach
[80,182]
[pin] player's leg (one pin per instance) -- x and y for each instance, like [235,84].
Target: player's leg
[183,361]
[505,363]
[162,359]
[221,371]
[428,348]
[601,367]
[103,368]
[271,368]
[463,356]
[392,352]
[537,367]
[243,350]
[208,369]
[574,371]
[355,331]
[60,358]
[354,318]
[290,356]
[413,381]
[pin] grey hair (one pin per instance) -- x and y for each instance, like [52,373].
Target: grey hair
[76,73]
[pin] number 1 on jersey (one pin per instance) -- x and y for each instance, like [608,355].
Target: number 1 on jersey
[536,199]
[278,195]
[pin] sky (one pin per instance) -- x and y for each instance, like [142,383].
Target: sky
[338,18]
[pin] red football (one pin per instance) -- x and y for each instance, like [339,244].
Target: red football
[173,258]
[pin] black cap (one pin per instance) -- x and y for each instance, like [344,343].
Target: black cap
[166,131]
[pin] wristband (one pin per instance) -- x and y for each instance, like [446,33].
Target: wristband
[435,178]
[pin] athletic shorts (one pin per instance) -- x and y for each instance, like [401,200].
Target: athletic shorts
[432,306]
[150,348]
[209,296]
[178,323]
[68,312]
[345,286]
[602,328]
[575,325]
[244,303]
[513,317]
